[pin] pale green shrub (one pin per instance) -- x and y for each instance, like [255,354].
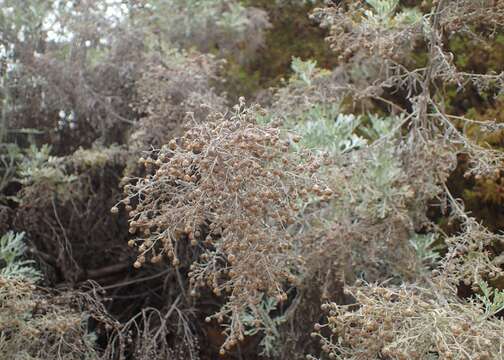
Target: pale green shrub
[12,250]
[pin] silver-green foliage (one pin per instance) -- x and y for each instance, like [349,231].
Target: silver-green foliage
[384,13]
[39,166]
[303,70]
[425,248]
[492,299]
[381,181]
[269,329]
[325,129]
[12,250]
[383,8]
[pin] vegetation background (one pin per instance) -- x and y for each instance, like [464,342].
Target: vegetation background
[251,179]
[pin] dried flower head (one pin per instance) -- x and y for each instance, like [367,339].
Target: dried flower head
[234,188]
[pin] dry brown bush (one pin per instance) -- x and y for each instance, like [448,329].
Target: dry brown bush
[170,87]
[35,324]
[228,28]
[59,88]
[408,323]
[236,202]
[414,321]
[63,207]
[238,190]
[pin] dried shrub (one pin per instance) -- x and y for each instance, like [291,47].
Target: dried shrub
[37,323]
[154,334]
[34,325]
[474,254]
[74,77]
[489,14]
[53,82]
[223,26]
[408,323]
[63,207]
[237,189]
[376,27]
[272,223]
[172,86]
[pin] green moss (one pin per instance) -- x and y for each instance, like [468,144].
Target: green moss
[240,82]
[475,55]
[483,196]
[420,58]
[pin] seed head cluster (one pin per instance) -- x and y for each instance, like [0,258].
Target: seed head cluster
[237,190]
[407,323]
